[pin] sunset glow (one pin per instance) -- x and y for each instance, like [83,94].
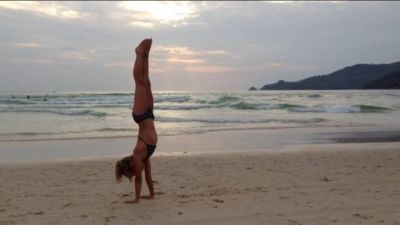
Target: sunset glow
[173,13]
[53,9]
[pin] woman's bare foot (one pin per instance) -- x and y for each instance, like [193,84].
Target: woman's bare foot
[148,45]
[144,47]
[140,49]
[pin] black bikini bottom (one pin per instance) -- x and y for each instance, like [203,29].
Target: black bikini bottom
[149,148]
[146,115]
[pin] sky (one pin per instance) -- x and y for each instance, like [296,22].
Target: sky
[197,46]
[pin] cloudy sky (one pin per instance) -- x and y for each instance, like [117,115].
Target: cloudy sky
[197,46]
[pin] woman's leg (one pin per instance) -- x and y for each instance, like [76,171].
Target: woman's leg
[147,85]
[140,99]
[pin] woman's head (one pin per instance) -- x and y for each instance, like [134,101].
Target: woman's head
[123,168]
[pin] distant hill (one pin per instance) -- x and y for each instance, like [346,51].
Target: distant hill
[390,81]
[352,77]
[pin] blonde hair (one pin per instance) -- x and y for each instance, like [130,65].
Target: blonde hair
[123,167]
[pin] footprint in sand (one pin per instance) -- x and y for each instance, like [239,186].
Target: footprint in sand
[218,200]
[7,222]
[325,179]
[183,196]
[108,218]
[284,197]
[362,216]
[293,222]
[67,205]
[39,213]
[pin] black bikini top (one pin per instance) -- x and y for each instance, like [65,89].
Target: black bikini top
[146,115]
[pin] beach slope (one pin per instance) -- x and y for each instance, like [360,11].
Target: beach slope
[313,184]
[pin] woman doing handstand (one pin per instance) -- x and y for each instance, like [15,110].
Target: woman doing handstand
[142,113]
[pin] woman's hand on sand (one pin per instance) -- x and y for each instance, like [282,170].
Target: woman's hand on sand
[132,201]
[148,197]
[137,200]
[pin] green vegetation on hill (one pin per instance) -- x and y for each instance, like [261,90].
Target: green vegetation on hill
[352,77]
[390,81]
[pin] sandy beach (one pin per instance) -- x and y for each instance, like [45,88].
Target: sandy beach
[305,184]
[251,113]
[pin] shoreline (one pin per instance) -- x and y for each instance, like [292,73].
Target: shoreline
[254,140]
[346,129]
[310,148]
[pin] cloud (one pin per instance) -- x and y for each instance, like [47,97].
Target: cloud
[237,42]
[192,60]
[272,65]
[143,24]
[204,69]
[82,55]
[35,61]
[52,9]
[217,52]
[26,45]
[285,66]
[119,64]
[280,2]
[177,50]
[148,14]
[181,55]
[184,61]
[300,2]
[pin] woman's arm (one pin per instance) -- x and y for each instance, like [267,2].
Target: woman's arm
[149,180]
[138,165]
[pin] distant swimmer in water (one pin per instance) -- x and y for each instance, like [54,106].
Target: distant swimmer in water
[142,113]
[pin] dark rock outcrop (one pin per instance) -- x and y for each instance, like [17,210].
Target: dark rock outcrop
[252,88]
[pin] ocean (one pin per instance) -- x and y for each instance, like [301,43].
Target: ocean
[88,115]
